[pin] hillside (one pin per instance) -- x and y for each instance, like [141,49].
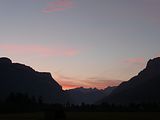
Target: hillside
[88,95]
[142,88]
[19,78]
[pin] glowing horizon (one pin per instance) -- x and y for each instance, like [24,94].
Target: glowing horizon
[82,43]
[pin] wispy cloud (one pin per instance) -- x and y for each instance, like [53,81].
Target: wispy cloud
[157,55]
[40,50]
[102,82]
[96,82]
[58,5]
[139,60]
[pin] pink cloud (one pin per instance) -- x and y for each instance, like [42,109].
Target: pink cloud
[37,50]
[71,82]
[157,55]
[135,60]
[101,83]
[58,5]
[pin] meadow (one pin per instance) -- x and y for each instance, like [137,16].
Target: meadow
[86,116]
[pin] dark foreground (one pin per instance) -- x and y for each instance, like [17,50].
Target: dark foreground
[86,116]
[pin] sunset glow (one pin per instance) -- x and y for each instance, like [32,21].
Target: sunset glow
[82,43]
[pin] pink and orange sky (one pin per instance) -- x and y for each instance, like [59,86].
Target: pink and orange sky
[89,43]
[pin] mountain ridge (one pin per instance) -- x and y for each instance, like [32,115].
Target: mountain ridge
[19,78]
[88,95]
[141,88]
[16,77]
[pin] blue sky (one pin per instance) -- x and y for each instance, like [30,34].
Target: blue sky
[81,42]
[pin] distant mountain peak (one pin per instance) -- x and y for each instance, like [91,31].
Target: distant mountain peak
[154,63]
[5,60]
[152,69]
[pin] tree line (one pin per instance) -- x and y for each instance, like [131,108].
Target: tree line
[19,102]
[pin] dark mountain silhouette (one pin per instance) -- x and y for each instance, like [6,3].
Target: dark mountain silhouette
[19,78]
[143,88]
[88,95]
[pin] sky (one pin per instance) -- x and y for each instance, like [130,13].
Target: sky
[89,43]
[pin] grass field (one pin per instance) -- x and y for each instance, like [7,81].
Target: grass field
[88,116]
[112,116]
[22,116]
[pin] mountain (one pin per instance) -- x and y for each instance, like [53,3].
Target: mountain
[142,88]
[88,95]
[19,78]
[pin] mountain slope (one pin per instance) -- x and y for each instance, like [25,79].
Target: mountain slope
[87,95]
[19,78]
[144,87]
